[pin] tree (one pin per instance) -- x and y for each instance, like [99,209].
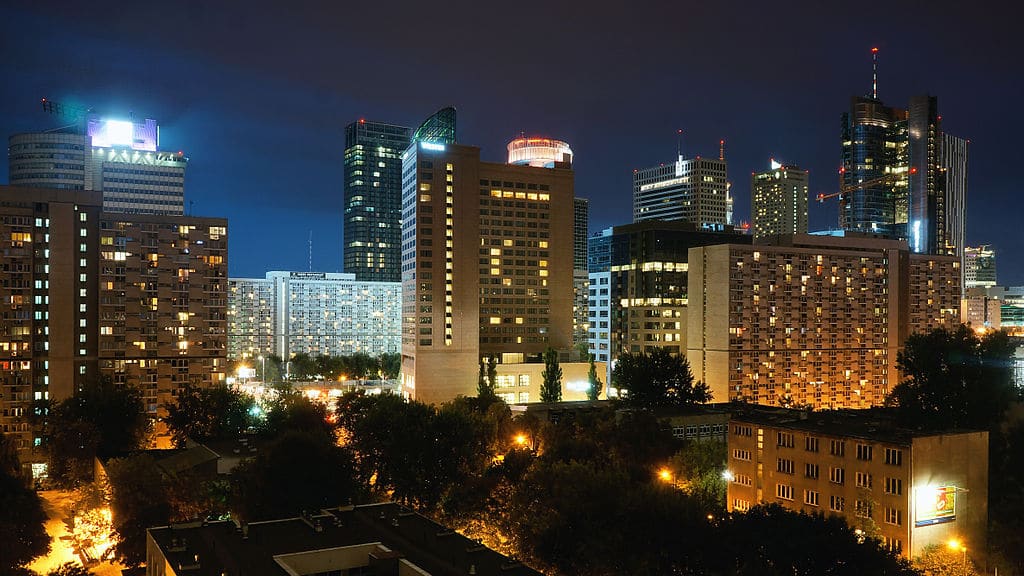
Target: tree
[698,467]
[657,378]
[484,386]
[209,414]
[551,387]
[303,367]
[70,569]
[22,519]
[492,371]
[294,412]
[299,472]
[954,379]
[390,365]
[595,386]
[100,419]
[138,500]
[410,448]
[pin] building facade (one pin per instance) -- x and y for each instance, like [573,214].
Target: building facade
[373,200]
[955,154]
[487,260]
[779,198]
[910,489]
[693,190]
[121,158]
[314,313]
[163,304]
[812,320]
[640,303]
[48,298]
[138,299]
[979,267]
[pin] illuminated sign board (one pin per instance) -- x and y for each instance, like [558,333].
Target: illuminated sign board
[106,133]
[432,146]
[934,505]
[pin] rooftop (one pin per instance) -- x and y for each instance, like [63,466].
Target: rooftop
[386,536]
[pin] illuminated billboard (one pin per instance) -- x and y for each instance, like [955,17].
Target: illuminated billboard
[934,505]
[107,133]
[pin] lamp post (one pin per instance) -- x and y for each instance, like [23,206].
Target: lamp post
[263,373]
[960,547]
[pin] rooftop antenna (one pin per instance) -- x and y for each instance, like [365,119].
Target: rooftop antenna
[310,250]
[721,149]
[679,143]
[874,73]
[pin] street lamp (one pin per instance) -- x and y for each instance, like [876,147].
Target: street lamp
[263,374]
[957,545]
[665,475]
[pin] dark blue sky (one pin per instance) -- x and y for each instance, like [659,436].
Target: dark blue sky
[257,94]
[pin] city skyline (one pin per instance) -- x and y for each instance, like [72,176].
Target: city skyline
[263,123]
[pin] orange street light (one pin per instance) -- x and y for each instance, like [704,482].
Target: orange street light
[665,475]
[520,439]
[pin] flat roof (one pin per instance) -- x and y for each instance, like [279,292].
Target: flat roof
[225,548]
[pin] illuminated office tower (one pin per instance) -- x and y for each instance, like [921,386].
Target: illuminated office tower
[373,200]
[693,190]
[979,266]
[121,158]
[779,199]
[487,262]
[955,154]
[874,169]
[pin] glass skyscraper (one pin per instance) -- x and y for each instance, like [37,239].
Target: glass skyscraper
[373,200]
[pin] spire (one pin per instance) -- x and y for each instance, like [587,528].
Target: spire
[874,73]
[721,149]
[679,144]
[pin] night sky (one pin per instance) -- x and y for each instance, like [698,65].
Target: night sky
[257,95]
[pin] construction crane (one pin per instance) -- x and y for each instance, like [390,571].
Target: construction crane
[846,189]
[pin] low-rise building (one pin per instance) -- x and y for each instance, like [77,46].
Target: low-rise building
[382,539]
[911,489]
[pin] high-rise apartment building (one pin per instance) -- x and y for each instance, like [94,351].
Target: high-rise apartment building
[487,260]
[580,277]
[139,299]
[121,158]
[912,489]
[812,320]
[373,200]
[314,313]
[979,266]
[779,199]
[693,190]
[48,339]
[163,303]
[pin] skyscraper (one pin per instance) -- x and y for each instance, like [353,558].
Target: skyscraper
[955,153]
[486,262]
[373,200]
[874,169]
[693,190]
[895,176]
[779,198]
[121,158]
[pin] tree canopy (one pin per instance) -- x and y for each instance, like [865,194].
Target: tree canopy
[100,419]
[954,379]
[657,378]
[22,534]
[213,413]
